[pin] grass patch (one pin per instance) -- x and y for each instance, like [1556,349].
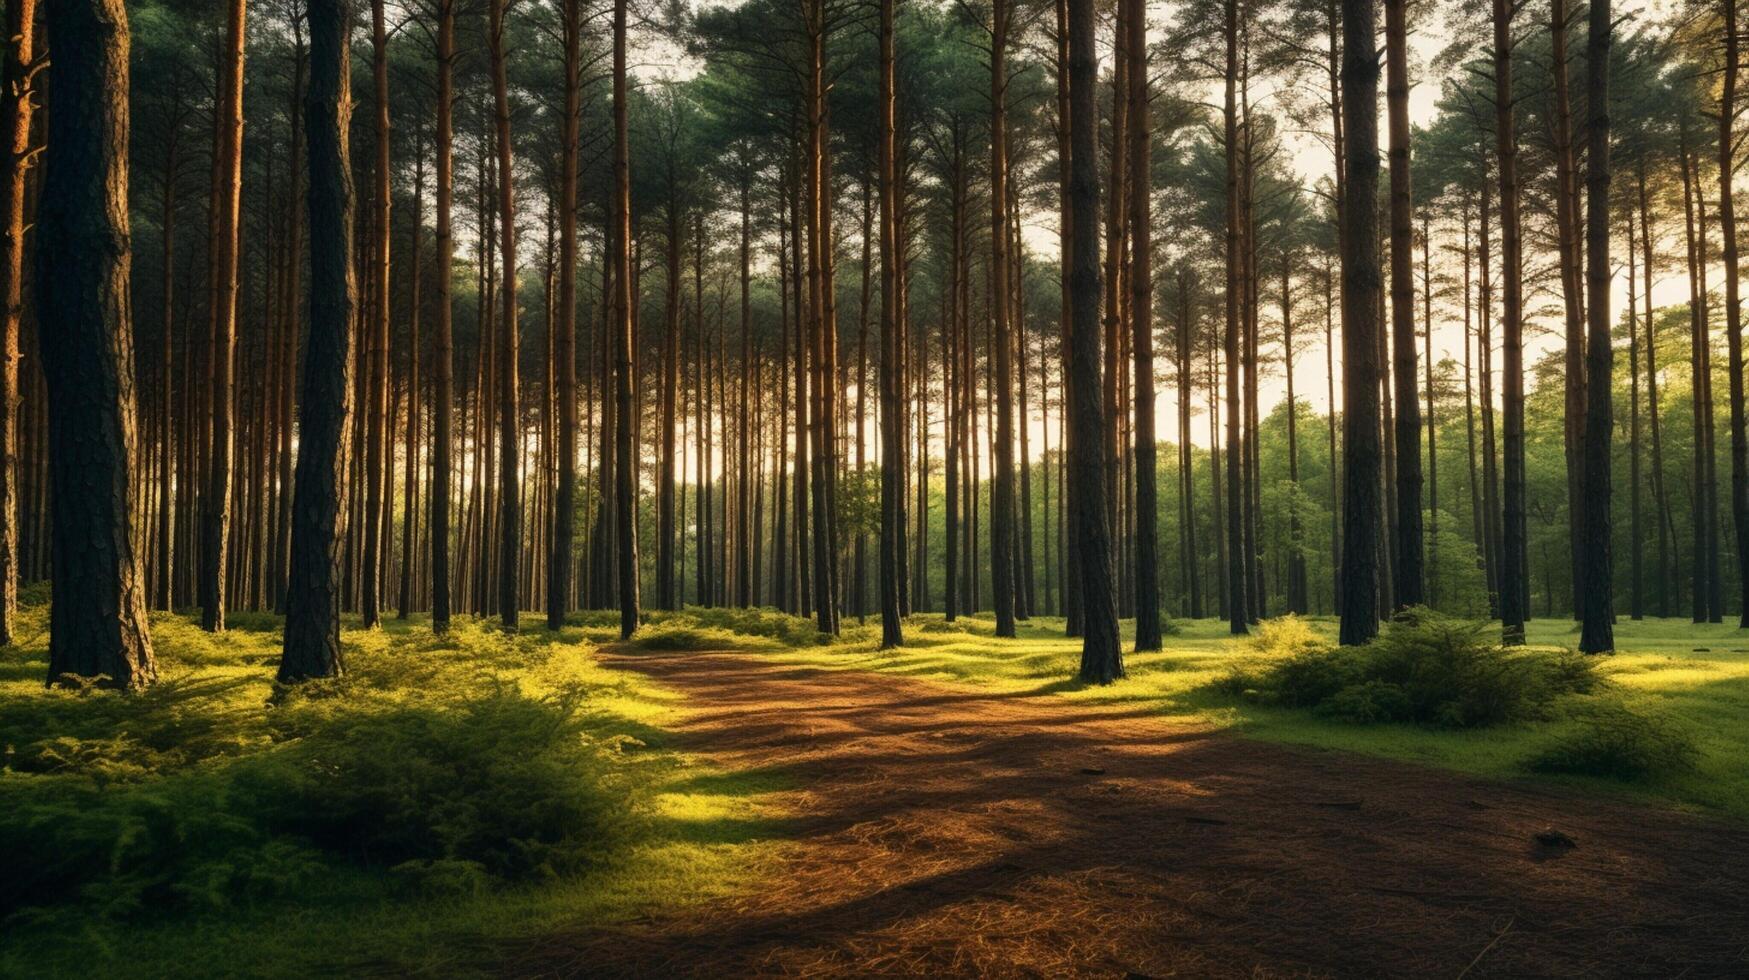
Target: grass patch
[1614,741]
[444,799]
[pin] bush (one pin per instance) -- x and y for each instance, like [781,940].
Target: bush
[1613,741]
[1423,668]
[727,628]
[1287,636]
[512,783]
[1368,703]
[456,764]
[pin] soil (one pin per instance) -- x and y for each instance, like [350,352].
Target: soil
[953,831]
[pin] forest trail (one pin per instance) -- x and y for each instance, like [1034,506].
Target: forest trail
[949,831]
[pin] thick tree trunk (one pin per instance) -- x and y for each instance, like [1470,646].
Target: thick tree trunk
[97,616]
[312,625]
[1072,496]
[1360,325]
[1101,654]
[1147,577]
[1596,603]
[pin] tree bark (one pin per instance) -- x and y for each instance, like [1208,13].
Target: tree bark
[1360,325]
[1733,302]
[377,444]
[625,486]
[1514,559]
[442,341]
[1002,486]
[1597,605]
[97,617]
[1409,588]
[1572,294]
[16,108]
[227,195]
[1238,605]
[312,626]
[509,410]
[1141,281]
[1101,655]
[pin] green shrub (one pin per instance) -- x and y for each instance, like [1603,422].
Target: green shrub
[454,764]
[1368,703]
[699,628]
[513,783]
[1613,741]
[1287,636]
[1423,668]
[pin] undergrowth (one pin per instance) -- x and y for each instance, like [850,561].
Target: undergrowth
[1424,668]
[1611,740]
[478,785]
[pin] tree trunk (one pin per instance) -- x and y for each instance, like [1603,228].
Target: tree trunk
[1072,495]
[1238,606]
[376,447]
[1360,325]
[509,412]
[443,342]
[1408,588]
[15,112]
[1733,302]
[1002,486]
[1514,559]
[410,495]
[227,195]
[1597,605]
[1570,260]
[1101,655]
[97,616]
[312,625]
[625,486]
[665,597]
[1142,327]
[1667,577]
[1636,552]
[892,434]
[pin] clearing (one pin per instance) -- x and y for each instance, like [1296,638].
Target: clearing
[944,829]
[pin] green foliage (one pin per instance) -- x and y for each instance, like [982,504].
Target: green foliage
[725,628]
[1613,741]
[1424,668]
[459,764]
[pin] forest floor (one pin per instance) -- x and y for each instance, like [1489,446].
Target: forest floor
[936,828]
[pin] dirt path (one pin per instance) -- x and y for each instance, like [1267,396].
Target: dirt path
[941,831]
